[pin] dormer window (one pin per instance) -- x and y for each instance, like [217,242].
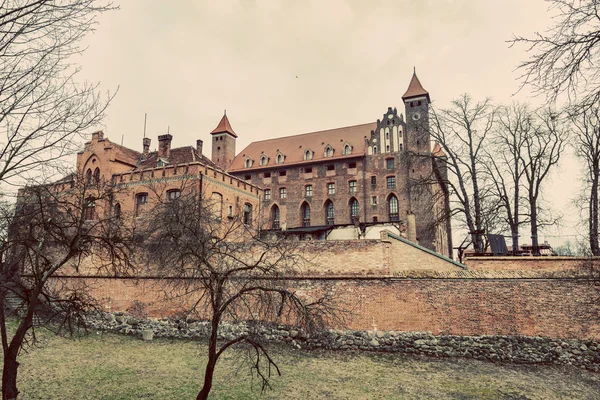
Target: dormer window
[264,160]
[347,149]
[308,154]
[161,162]
[248,163]
[279,158]
[328,151]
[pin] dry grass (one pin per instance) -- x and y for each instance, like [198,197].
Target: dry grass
[115,367]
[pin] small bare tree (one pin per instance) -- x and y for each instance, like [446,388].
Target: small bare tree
[42,107]
[462,132]
[564,60]
[54,229]
[230,273]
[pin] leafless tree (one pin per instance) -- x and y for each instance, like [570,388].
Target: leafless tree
[54,230]
[540,153]
[230,273]
[564,60]
[42,107]
[586,126]
[462,132]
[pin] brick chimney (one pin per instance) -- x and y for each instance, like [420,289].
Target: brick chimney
[199,146]
[97,136]
[146,144]
[164,145]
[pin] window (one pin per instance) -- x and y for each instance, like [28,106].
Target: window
[354,211]
[275,217]
[329,213]
[389,163]
[352,165]
[173,195]
[373,181]
[308,155]
[279,158]
[308,190]
[247,177]
[90,209]
[308,170]
[305,214]
[373,200]
[393,208]
[97,175]
[374,219]
[391,182]
[247,214]
[88,177]
[282,193]
[331,167]
[328,151]
[264,160]
[352,186]
[267,175]
[331,188]
[141,200]
[267,194]
[248,163]
[282,173]
[217,204]
[374,149]
[347,149]
[230,212]
[117,211]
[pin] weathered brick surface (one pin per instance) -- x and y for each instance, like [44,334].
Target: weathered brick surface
[551,307]
[530,263]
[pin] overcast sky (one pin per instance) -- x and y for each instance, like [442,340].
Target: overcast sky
[290,67]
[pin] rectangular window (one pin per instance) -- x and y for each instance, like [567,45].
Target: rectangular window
[374,200]
[331,168]
[331,188]
[247,177]
[374,219]
[389,163]
[308,170]
[373,180]
[352,165]
[308,190]
[352,187]
[282,193]
[141,200]
[391,182]
[267,194]
[173,195]
[282,173]
[267,174]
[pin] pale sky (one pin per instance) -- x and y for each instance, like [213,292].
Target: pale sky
[290,67]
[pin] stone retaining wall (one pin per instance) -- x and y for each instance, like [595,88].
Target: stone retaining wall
[498,348]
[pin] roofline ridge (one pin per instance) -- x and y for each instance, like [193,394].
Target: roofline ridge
[310,133]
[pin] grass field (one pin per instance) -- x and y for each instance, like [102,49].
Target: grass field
[115,367]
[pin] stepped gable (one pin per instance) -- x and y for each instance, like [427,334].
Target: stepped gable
[294,147]
[177,156]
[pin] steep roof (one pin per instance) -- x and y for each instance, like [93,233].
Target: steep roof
[224,127]
[294,147]
[179,155]
[415,89]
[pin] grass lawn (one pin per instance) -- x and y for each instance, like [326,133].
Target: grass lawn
[106,366]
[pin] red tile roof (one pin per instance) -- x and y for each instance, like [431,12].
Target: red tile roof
[224,126]
[293,147]
[179,155]
[415,89]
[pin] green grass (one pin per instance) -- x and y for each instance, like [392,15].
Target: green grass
[115,367]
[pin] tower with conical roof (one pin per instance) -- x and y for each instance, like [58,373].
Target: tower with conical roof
[223,143]
[416,101]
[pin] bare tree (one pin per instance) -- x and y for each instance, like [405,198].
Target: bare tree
[42,107]
[503,163]
[587,145]
[55,229]
[540,154]
[564,60]
[230,273]
[462,132]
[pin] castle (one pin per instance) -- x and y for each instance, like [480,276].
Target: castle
[345,183]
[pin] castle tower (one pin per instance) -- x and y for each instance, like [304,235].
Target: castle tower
[416,102]
[223,143]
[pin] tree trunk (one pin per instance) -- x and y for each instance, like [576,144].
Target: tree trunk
[593,209]
[11,365]
[534,228]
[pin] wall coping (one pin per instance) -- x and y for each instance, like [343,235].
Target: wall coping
[426,250]
[530,258]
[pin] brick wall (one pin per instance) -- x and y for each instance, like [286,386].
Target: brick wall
[460,303]
[530,263]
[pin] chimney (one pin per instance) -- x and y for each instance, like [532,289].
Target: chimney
[164,145]
[146,144]
[412,228]
[97,136]
[199,146]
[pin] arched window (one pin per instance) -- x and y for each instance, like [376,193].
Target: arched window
[328,151]
[247,214]
[374,149]
[393,208]
[117,211]
[279,158]
[354,210]
[264,160]
[329,213]
[275,217]
[216,200]
[97,175]
[173,194]
[347,149]
[141,201]
[90,209]
[305,214]
[308,155]
[248,163]
[88,177]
